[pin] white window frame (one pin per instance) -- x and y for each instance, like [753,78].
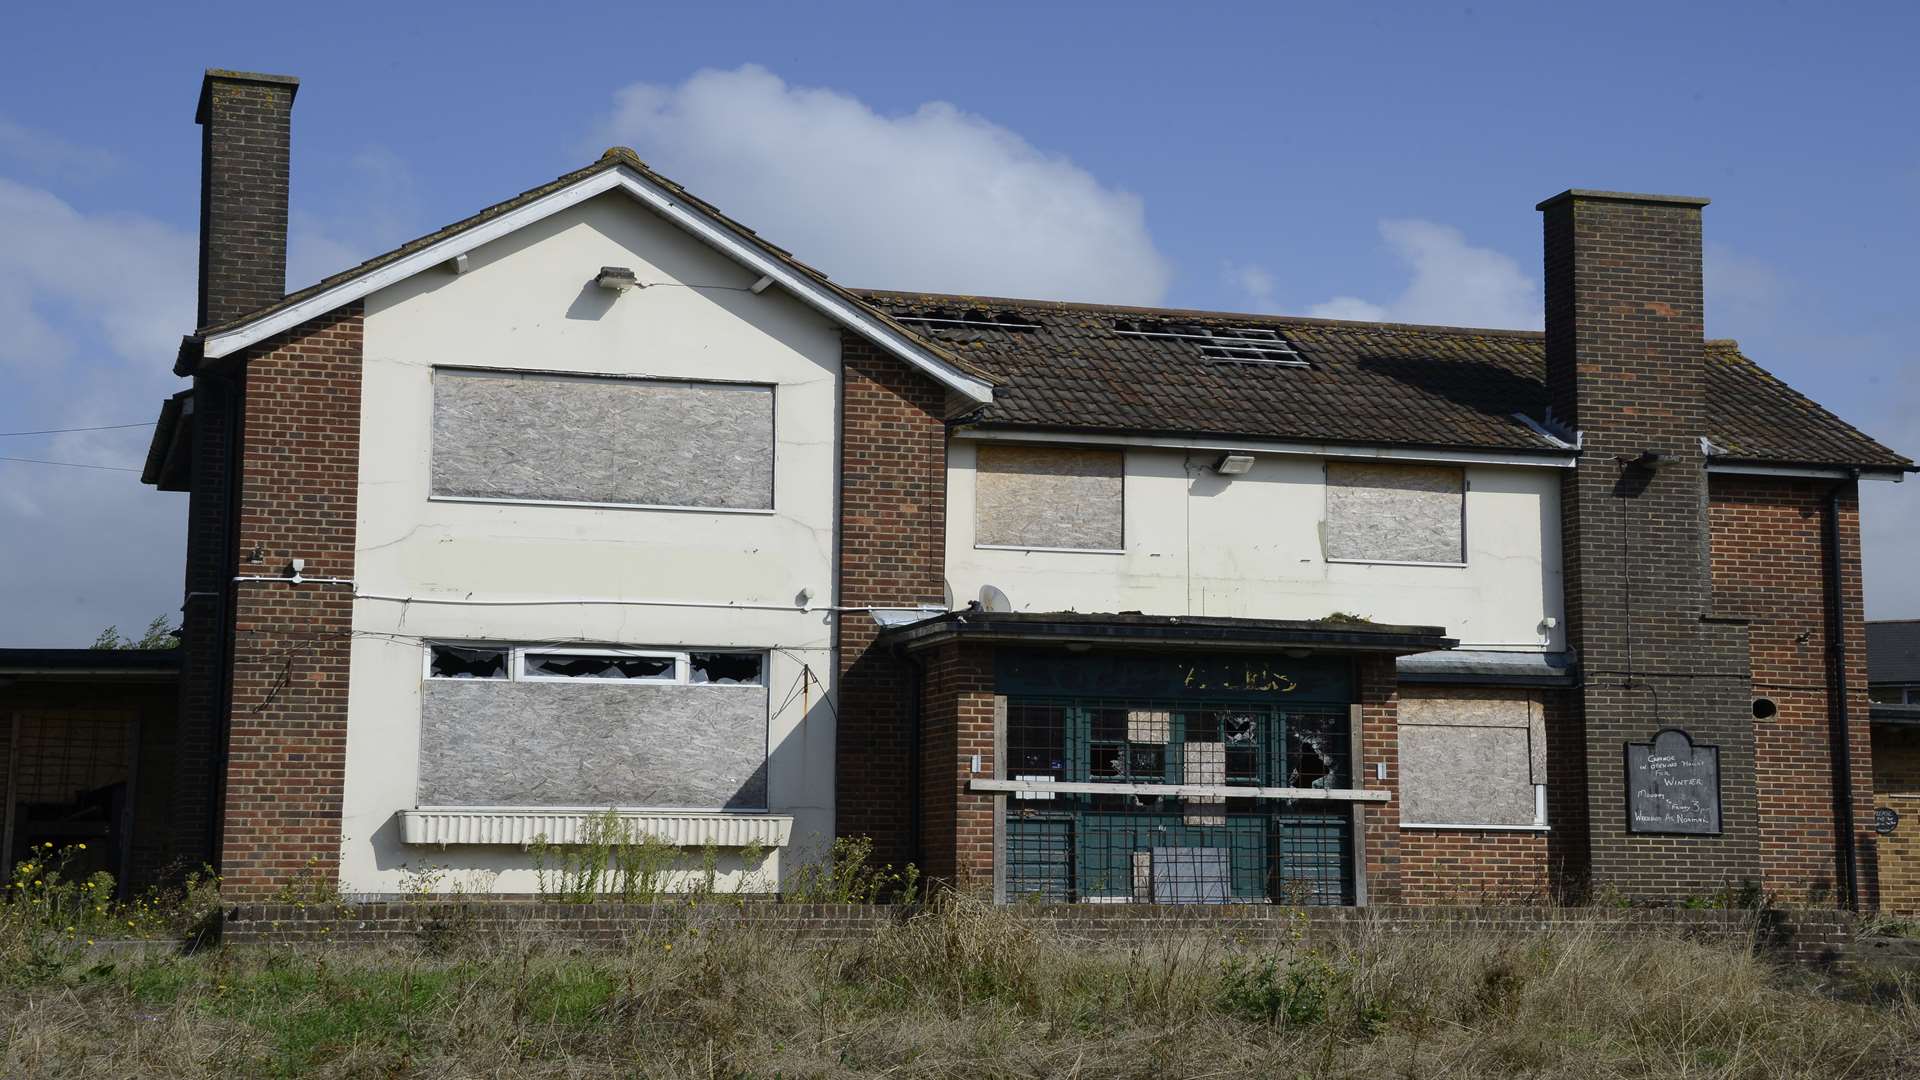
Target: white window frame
[517,670]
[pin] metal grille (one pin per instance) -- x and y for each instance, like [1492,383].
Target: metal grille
[1097,849]
[1152,848]
[1177,742]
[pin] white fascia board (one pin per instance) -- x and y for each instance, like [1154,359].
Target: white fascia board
[1804,472]
[702,225]
[1263,446]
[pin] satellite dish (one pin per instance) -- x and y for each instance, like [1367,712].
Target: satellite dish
[992,599]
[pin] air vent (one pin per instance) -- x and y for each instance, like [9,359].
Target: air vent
[947,320]
[1225,344]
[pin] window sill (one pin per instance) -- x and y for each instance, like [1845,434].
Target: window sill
[1477,828]
[487,501]
[1050,550]
[1393,562]
[444,825]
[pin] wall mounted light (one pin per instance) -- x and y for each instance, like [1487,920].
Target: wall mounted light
[1233,464]
[617,278]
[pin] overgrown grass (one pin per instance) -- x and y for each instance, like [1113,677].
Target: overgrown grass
[963,990]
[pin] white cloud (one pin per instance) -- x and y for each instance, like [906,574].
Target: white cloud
[1453,283]
[45,155]
[936,199]
[91,310]
[375,207]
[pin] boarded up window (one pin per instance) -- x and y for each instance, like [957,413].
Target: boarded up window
[568,438]
[585,743]
[1048,497]
[1395,513]
[1470,757]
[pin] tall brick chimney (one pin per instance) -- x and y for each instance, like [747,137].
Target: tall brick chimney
[245,121]
[1626,367]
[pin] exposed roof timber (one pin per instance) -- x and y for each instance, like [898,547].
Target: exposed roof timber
[1550,459]
[749,252]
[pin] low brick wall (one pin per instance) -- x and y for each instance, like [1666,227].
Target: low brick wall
[1817,937]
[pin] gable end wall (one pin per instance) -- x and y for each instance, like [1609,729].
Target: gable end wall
[287,720]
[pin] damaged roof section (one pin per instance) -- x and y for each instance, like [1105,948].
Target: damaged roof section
[1124,370]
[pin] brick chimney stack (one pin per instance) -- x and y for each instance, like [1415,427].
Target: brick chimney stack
[245,121]
[1626,368]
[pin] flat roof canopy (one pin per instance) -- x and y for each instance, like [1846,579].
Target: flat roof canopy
[1132,629]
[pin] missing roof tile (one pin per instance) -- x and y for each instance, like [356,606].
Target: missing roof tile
[951,322]
[1224,344]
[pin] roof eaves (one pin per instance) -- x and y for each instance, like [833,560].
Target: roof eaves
[194,351]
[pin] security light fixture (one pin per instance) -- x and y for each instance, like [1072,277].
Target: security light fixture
[617,278]
[1648,460]
[1233,464]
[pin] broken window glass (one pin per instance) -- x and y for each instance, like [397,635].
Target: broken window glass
[588,666]
[1315,754]
[737,669]
[453,662]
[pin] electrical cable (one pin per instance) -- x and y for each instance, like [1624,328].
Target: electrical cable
[66,430]
[69,464]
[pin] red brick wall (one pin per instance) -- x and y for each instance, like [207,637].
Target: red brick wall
[1768,545]
[957,722]
[892,550]
[1896,786]
[1380,832]
[287,727]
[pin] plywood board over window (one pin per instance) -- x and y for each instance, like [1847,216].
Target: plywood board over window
[1471,757]
[545,437]
[1060,498]
[1395,513]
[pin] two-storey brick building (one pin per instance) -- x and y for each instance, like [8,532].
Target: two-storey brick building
[597,500]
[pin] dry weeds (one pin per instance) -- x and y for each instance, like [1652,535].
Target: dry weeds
[964,992]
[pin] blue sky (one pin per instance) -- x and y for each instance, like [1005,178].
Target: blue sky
[1349,160]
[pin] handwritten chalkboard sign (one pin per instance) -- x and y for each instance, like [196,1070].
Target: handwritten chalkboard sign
[1673,785]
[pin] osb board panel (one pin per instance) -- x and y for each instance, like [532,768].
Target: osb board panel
[1465,776]
[1470,757]
[492,743]
[1395,513]
[560,438]
[1048,497]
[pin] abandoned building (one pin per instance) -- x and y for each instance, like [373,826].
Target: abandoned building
[598,500]
[1893,689]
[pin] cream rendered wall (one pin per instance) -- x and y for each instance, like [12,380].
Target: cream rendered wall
[1250,547]
[528,301]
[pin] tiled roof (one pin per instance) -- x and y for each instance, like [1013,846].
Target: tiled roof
[1893,651]
[1067,366]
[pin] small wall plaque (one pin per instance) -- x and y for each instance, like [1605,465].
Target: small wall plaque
[1885,819]
[1673,785]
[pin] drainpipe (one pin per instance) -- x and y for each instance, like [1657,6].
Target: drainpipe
[1842,754]
[915,684]
[232,390]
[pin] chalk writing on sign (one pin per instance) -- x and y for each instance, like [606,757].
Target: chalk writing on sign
[1673,785]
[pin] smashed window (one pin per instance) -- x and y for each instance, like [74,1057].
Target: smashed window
[591,666]
[454,662]
[740,669]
